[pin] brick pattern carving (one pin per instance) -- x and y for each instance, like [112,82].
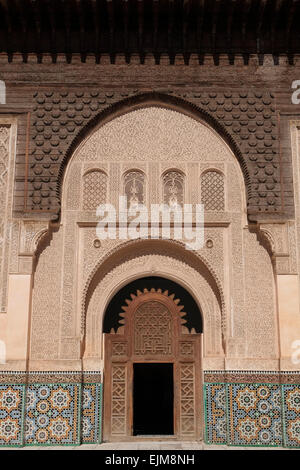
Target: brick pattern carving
[94,190]
[57,117]
[173,188]
[212,191]
[187,399]
[246,118]
[118,400]
[134,187]
[152,330]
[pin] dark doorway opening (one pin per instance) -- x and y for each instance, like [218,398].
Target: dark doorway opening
[153,407]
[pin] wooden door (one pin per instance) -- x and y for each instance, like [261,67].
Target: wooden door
[152,330]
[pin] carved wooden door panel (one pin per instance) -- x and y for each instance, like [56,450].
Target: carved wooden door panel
[152,330]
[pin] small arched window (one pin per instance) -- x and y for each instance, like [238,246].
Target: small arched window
[94,189]
[212,191]
[173,188]
[134,187]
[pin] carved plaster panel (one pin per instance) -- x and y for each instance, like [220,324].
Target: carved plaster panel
[260,301]
[164,266]
[46,304]
[7,226]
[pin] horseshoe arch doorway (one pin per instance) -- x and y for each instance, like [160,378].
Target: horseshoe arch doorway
[152,365]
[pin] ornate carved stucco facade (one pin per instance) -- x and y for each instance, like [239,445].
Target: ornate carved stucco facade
[57,278]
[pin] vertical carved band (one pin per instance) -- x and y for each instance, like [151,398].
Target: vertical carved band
[187,399]
[118,400]
[4,208]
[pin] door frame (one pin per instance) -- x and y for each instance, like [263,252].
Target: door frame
[118,376]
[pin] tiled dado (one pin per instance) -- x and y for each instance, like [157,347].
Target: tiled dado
[46,412]
[39,409]
[252,414]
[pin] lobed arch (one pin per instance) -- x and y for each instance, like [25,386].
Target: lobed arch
[193,318]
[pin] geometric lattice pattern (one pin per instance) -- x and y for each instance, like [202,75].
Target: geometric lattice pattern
[212,191]
[187,399]
[52,414]
[118,400]
[94,191]
[152,329]
[215,413]
[11,416]
[91,413]
[291,411]
[255,414]
[4,171]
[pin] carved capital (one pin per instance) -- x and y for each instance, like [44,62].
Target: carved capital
[31,234]
[280,242]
